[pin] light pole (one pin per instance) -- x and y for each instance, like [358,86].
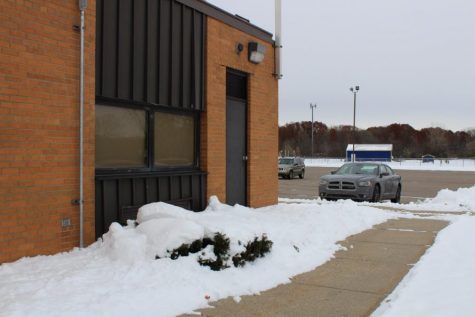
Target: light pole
[312,106]
[354,91]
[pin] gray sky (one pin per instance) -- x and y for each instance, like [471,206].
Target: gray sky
[414,59]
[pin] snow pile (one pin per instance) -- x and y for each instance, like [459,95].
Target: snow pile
[442,282]
[447,201]
[121,277]
[125,245]
[409,164]
[463,197]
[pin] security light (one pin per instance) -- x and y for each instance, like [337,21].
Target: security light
[357,88]
[256,52]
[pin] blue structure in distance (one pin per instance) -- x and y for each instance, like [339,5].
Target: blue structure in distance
[370,152]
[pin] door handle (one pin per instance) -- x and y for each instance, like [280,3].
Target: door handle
[244,158]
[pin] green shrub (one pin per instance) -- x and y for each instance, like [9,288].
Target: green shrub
[253,249]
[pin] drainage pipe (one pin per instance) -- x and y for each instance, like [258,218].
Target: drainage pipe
[82,8]
[278,39]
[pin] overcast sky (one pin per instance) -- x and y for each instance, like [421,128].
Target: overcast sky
[414,59]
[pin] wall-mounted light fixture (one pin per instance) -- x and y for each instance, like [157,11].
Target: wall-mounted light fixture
[256,52]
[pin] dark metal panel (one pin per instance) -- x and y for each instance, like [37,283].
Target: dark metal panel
[99,205]
[164,188]
[140,50]
[124,71]
[99,32]
[187,57]
[164,59]
[195,192]
[151,190]
[198,59]
[152,51]
[139,192]
[175,188]
[176,54]
[125,192]
[111,208]
[109,48]
[186,186]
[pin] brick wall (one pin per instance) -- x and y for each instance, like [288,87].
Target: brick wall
[39,126]
[262,115]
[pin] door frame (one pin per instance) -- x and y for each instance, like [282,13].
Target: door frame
[246,129]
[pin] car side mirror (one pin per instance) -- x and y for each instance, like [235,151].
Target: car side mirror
[332,172]
[295,164]
[384,174]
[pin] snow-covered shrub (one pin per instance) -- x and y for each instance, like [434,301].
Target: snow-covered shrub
[166,231]
[221,254]
[255,249]
[218,258]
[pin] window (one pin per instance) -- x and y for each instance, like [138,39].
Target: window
[390,170]
[174,139]
[120,137]
[144,139]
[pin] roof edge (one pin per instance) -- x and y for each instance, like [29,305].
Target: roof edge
[228,18]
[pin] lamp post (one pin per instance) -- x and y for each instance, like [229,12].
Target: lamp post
[354,90]
[312,106]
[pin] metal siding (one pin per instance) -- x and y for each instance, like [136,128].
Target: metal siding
[99,32]
[140,50]
[118,194]
[124,51]
[109,49]
[198,62]
[187,57]
[164,59]
[176,53]
[150,51]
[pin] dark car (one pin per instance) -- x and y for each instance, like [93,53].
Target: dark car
[289,167]
[363,182]
[428,158]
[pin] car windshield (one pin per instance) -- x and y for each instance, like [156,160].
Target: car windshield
[365,169]
[286,161]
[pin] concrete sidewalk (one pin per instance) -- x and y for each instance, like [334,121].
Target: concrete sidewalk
[352,284]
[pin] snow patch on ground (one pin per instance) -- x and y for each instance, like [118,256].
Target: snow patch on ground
[120,276]
[414,164]
[442,282]
[447,201]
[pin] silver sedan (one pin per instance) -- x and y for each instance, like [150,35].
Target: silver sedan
[362,181]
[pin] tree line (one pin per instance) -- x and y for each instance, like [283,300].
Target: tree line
[295,139]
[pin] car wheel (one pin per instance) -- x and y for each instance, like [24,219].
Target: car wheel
[397,198]
[302,175]
[376,194]
[291,174]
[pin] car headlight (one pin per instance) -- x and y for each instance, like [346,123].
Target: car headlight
[364,183]
[323,182]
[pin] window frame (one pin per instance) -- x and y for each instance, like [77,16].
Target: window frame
[150,110]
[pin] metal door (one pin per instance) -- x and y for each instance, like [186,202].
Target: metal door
[236,136]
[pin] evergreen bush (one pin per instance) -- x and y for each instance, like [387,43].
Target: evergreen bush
[257,248]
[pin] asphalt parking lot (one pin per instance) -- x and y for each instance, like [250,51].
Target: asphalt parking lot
[416,185]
